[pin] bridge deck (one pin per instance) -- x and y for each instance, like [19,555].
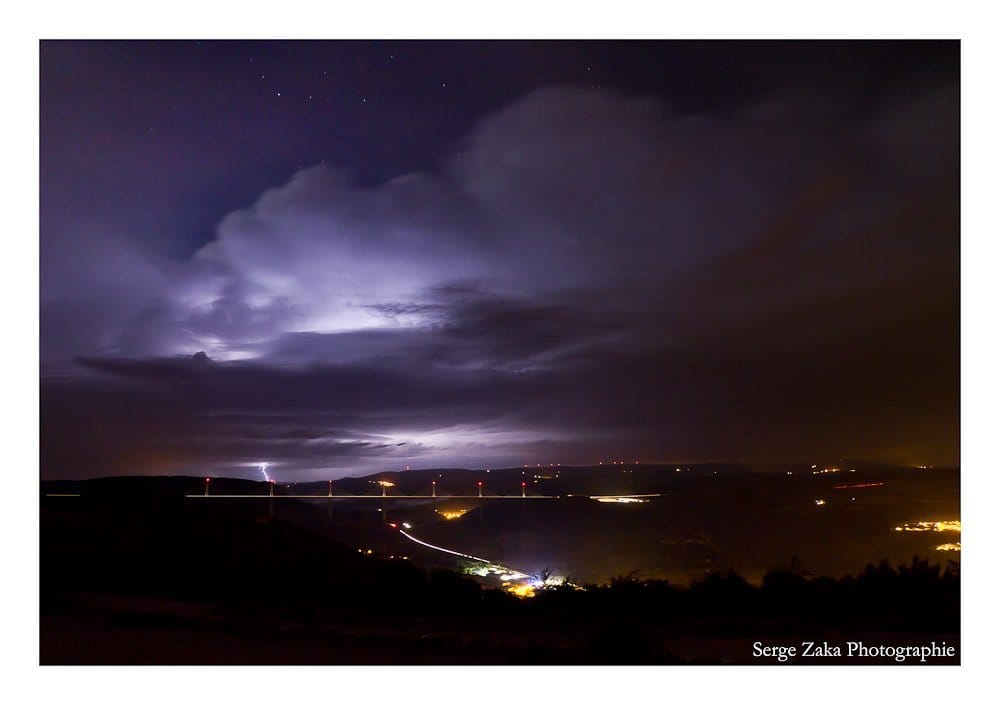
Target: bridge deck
[362,496]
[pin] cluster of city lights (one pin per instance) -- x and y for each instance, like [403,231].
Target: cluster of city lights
[506,575]
[948,525]
[526,586]
[949,547]
[514,582]
[452,513]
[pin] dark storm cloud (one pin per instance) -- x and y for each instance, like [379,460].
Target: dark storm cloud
[593,274]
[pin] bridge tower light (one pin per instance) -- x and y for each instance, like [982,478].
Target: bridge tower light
[480,488]
[522,489]
[207,480]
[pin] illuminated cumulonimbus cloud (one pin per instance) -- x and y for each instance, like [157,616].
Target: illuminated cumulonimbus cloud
[563,190]
[587,267]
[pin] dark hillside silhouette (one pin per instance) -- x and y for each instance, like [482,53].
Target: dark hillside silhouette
[104,561]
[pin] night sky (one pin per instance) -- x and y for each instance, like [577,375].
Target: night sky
[342,257]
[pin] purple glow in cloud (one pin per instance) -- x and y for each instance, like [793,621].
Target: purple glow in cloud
[592,270]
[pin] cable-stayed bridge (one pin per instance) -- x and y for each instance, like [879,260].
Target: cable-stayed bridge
[385,485]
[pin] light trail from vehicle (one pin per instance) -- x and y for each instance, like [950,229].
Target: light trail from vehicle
[513,572]
[413,538]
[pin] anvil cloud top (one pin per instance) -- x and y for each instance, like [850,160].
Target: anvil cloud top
[341,256]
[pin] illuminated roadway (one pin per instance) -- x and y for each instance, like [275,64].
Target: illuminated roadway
[445,550]
[414,539]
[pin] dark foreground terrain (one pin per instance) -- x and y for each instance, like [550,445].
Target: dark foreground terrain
[142,577]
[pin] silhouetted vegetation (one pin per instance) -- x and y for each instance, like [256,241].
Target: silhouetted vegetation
[918,596]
